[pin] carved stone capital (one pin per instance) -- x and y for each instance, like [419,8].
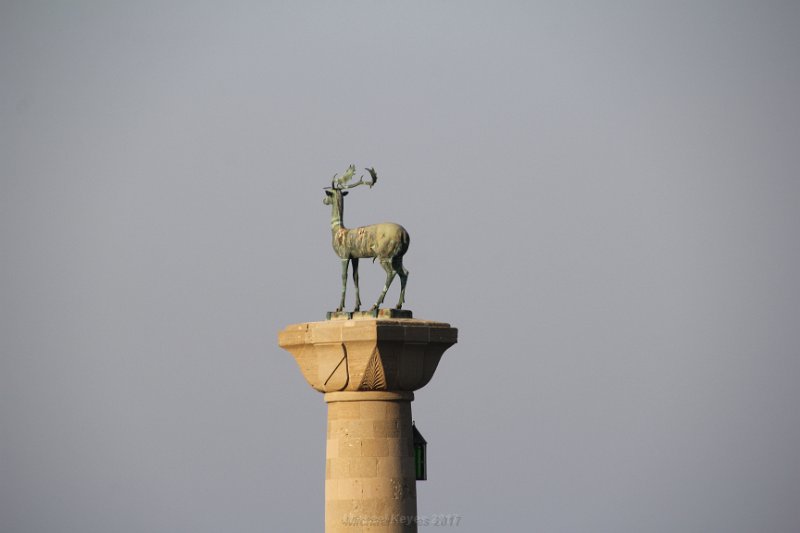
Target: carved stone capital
[367,353]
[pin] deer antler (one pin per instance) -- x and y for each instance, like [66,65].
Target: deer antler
[340,183]
[348,174]
[374,176]
[361,181]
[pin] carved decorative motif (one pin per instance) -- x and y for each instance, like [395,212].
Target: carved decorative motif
[374,378]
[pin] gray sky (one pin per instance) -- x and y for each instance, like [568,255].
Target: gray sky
[602,196]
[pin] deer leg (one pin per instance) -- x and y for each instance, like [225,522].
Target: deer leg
[387,266]
[344,283]
[355,282]
[397,265]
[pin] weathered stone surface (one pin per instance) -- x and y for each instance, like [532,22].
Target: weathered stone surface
[368,353]
[369,479]
[368,368]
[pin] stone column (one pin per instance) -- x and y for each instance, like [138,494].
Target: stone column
[369,468]
[368,368]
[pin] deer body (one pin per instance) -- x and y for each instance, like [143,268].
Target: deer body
[381,241]
[386,242]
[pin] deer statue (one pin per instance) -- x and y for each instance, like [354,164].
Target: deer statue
[386,242]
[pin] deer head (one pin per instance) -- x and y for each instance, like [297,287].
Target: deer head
[340,184]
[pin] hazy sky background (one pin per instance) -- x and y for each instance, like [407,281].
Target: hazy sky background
[602,196]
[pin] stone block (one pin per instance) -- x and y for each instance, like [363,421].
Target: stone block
[350,489]
[344,410]
[349,447]
[386,428]
[345,428]
[393,467]
[362,467]
[338,467]
[375,447]
[332,448]
[378,488]
[373,410]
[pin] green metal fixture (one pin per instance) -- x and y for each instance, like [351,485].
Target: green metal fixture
[420,455]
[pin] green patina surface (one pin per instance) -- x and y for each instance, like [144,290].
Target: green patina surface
[382,241]
[386,242]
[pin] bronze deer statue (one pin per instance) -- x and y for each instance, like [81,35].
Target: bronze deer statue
[386,242]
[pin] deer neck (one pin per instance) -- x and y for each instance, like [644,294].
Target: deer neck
[337,213]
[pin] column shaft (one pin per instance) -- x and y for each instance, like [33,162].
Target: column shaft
[370,482]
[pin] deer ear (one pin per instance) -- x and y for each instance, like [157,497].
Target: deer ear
[329,193]
[345,193]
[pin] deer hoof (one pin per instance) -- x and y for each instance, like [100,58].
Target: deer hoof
[357,309]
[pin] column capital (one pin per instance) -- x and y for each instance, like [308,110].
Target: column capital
[369,395]
[368,354]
